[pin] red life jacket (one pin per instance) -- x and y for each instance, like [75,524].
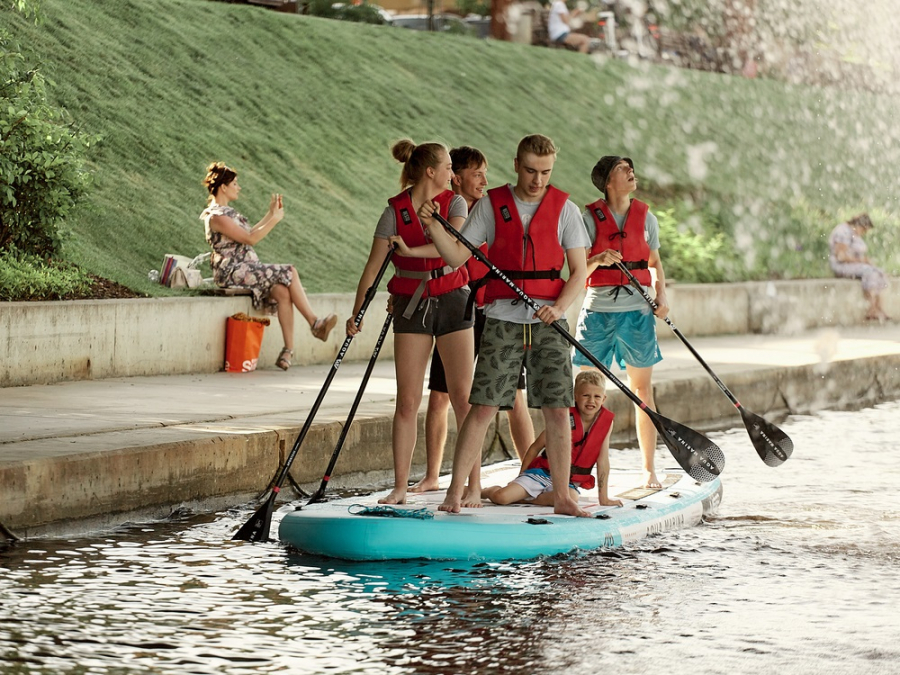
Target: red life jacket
[534,260]
[432,275]
[585,448]
[630,242]
[477,271]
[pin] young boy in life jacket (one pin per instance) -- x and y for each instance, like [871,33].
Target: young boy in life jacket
[591,428]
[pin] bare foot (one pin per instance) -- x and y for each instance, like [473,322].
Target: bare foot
[471,498]
[450,505]
[425,485]
[570,507]
[650,480]
[397,496]
[488,491]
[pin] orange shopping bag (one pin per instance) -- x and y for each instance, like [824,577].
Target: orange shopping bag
[243,338]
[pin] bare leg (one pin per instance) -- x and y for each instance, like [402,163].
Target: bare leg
[546,498]
[416,349]
[468,452]
[301,302]
[282,296]
[875,310]
[435,440]
[458,354]
[639,383]
[510,494]
[521,428]
[559,454]
[581,42]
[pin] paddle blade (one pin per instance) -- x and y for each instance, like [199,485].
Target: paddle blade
[257,528]
[702,459]
[772,445]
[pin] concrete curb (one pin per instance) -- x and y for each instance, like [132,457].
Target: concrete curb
[47,342]
[71,486]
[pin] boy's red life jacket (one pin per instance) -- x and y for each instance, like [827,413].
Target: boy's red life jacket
[630,242]
[586,448]
[421,277]
[534,260]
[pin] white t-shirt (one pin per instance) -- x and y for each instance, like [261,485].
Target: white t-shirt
[479,229]
[556,27]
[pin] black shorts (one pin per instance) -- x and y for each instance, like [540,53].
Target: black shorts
[437,378]
[439,315]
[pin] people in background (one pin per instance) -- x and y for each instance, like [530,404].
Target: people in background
[850,258]
[235,263]
[559,27]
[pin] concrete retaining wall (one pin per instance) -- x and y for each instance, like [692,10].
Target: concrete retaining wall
[45,342]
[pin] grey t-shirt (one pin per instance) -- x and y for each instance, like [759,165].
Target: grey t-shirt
[605,298]
[387,224]
[479,229]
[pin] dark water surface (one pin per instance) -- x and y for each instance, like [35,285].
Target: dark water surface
[797,574]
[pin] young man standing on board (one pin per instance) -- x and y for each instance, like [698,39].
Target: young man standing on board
[532,230]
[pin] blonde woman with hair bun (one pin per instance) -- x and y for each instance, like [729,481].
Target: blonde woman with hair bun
[428,297]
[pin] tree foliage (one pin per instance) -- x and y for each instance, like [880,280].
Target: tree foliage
[42,153]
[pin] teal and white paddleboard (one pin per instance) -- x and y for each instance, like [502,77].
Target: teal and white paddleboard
[339,528]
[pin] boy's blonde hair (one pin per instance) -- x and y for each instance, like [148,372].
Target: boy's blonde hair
[592,377]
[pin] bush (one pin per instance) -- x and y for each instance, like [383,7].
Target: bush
[362,13]
[27,277]
[42,157]
[692,249]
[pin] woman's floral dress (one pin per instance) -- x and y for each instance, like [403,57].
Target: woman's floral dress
[873,279]
[236,264]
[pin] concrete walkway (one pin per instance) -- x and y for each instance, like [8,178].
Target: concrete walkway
[96,453]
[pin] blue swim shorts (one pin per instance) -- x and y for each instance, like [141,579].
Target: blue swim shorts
[627,337]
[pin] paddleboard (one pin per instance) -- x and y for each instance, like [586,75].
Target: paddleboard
[358,528]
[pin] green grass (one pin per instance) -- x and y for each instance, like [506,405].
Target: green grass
[309,107]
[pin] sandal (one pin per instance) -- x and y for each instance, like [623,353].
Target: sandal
[322,327]
[284,358]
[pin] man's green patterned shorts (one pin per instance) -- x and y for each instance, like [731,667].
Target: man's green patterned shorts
[548,365]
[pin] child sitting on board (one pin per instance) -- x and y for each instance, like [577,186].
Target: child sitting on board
[591,426]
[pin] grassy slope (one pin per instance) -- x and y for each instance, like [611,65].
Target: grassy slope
[309,107]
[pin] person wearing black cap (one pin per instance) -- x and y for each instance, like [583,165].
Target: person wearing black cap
[616,323]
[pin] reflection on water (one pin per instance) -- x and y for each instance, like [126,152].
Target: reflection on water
[797,574]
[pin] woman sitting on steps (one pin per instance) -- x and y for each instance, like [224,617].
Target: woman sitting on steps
[235,263]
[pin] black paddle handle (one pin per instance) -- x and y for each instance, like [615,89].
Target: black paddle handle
[481,257]
[637,284]
[370,294]
[359,394]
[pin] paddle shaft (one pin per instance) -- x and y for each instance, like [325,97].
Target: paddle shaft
[637,284]
[359,394]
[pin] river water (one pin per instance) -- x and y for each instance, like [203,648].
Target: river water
[797,574]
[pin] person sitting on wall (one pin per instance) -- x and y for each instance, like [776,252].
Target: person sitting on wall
[849,258]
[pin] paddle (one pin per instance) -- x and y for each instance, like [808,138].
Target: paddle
[698,456]
[320,493]
[257,528]
[772,445]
